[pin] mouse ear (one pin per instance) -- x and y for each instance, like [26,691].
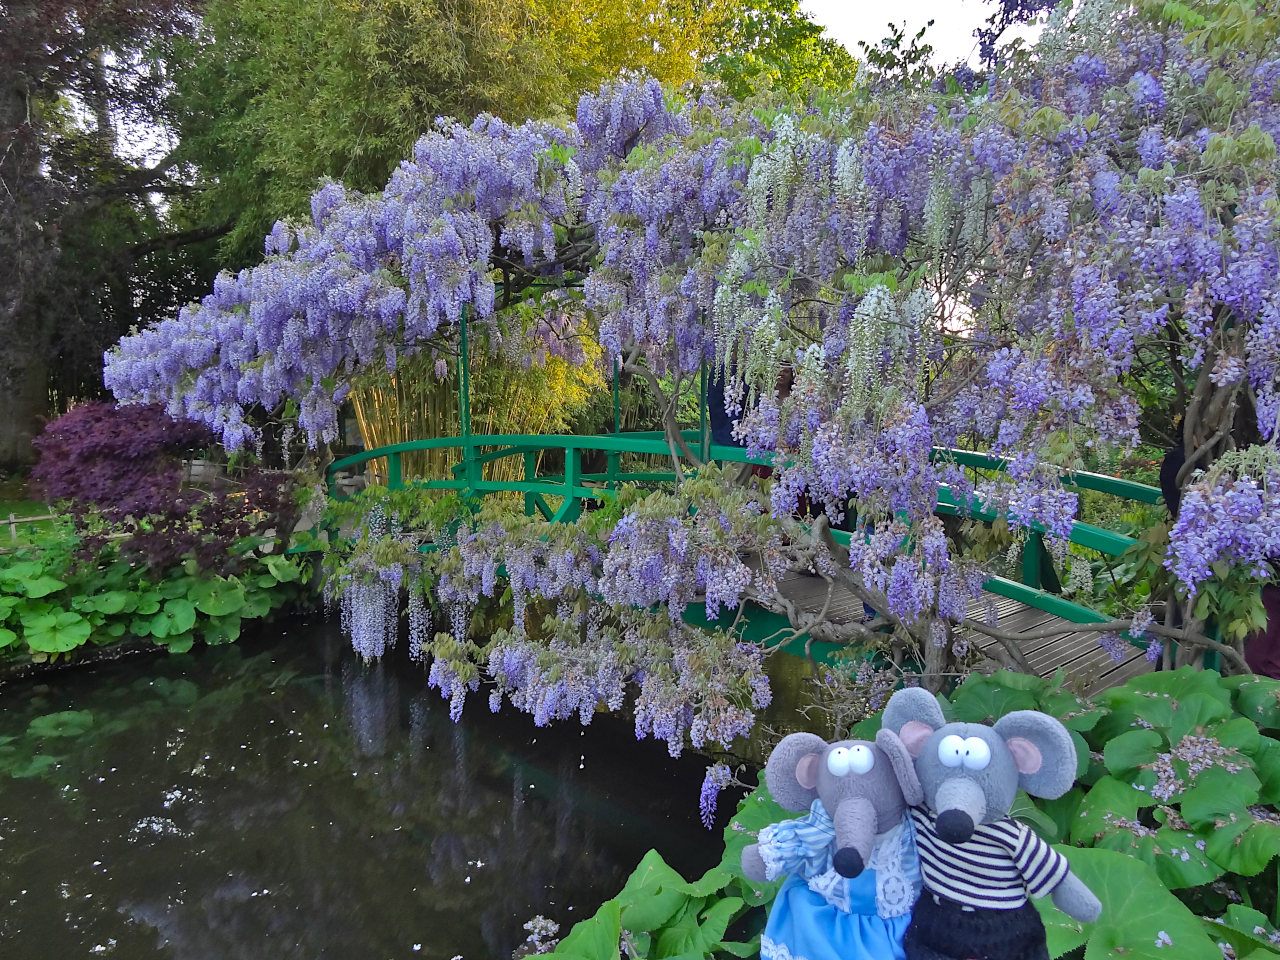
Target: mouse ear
[1042,751]
[912,705]
[792,771]
[903,767]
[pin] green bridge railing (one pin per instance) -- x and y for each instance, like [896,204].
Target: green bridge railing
[574,486]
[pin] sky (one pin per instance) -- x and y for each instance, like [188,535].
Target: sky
[951,34]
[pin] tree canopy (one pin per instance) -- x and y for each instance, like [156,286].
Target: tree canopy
[146,142]
[279,94]
[80,228]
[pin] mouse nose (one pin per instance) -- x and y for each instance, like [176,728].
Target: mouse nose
[954,826]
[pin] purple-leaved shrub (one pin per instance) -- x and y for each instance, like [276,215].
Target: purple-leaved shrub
[123,465]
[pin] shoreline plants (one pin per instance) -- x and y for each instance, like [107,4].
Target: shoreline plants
[139,556]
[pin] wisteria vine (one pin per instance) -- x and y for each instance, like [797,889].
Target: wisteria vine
[992,265]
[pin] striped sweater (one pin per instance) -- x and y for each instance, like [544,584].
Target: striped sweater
[997,868]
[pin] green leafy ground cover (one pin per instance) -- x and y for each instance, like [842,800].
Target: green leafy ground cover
[55,601]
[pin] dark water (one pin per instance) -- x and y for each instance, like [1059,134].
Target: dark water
[278,799]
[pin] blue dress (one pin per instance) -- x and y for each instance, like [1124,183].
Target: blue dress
[820,915]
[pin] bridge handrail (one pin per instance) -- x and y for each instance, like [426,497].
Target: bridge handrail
[574,486]
[652,442]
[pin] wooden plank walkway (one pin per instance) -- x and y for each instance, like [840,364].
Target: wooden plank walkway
[1088,668]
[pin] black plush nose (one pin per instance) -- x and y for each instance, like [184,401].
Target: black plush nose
[954,826]
[848,862]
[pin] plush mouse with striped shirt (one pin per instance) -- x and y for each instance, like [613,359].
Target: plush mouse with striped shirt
[981,867]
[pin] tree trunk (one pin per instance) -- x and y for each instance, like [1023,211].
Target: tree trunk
[26,252]
[24,391]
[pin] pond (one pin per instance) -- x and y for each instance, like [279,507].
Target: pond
[279,799]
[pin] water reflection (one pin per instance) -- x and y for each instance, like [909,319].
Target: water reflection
[284,800]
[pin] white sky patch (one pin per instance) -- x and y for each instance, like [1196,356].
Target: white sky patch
[951,35]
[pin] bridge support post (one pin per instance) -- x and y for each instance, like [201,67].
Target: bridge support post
[571,509]
[1032,560]
[469,465]
[704,437]
[613,457]
[530,473]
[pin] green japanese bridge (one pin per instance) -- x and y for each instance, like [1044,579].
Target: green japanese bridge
[1024,605]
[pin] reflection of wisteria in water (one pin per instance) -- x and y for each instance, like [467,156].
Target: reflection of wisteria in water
[565,811]
[299,785]
[419,728]
[370,701]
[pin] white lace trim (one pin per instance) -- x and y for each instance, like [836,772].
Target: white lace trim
[772,950]
[774,863]
[833,888]
[895,891]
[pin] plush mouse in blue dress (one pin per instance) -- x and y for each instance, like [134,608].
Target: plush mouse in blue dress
[850,863]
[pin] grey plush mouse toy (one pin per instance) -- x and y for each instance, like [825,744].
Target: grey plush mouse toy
[850,864]
[980,866]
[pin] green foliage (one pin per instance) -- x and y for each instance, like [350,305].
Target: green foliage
[279,93]
[53,601]
[658,914]
[1175,800]
[1173,823]
[774,45]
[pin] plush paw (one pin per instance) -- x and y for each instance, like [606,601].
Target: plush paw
[753,863]
[1076,900]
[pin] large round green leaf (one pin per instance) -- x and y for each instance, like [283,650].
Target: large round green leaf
[1245,844]
[983,699]
[69,723]
[596,936]
[1248,930]
[1258,698]
[148,603]
[177,616]
[41,586]
[179,642]
[1266,763]
[652,895]
[1131,750]
[110,603]
[57,632]
[1106,802]
[1195,712]
[217,597]
[256,604]
[283,569]
[1141,920]
[755,812]
[177,587]
[220,630]
[1111,818]
[23,570]
[7,638]
[33,767]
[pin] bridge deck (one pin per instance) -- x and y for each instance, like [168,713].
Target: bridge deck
[1087,666]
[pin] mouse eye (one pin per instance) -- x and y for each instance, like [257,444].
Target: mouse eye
[951,751]
[861,759]
[839,761]
[976,754]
